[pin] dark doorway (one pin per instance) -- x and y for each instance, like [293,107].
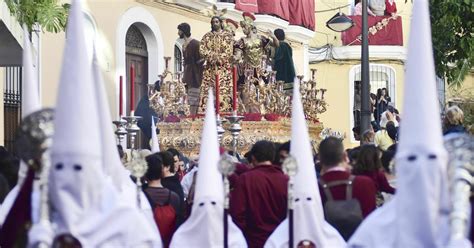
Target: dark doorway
[140,65]
[137,56]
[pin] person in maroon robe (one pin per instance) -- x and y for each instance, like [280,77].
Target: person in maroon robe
[192,74]
[259,199]
[332,156]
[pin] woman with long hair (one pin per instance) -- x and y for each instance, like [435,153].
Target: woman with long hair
[382,103]
[369,164]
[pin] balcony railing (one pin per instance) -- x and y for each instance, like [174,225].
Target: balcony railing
[383,30]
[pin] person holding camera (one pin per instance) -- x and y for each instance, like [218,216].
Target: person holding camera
[382,103]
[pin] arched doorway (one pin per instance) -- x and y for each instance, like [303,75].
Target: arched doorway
[136,55]
[141,19]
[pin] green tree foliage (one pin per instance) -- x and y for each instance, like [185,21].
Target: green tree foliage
[452,28]
[50,15]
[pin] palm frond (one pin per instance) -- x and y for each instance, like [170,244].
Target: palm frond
[51,16]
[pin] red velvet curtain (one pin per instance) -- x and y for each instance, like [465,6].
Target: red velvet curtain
[391,34]
[278,8]
[302,13]
[247,5]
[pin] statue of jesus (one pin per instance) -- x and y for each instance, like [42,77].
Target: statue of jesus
[216,50]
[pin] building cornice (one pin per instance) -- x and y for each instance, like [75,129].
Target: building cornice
[177,8]
[299,34]
[270,22]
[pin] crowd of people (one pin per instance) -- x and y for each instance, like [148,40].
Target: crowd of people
[385,119]
[259,187]
[258,199]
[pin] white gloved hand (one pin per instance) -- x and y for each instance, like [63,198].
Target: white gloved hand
[41,233]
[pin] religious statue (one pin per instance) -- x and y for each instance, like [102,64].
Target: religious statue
[252,51]
[216,50]
[250,56]
[230,26]
[283,59]
[192,73]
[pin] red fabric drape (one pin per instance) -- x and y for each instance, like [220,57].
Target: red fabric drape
[278,8]
[302,13]
[18,219]
[247,5]
[391,34]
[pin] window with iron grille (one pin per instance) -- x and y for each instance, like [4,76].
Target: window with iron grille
[381,77]
[12,104]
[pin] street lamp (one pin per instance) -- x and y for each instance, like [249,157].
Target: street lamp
[365,76]
[340,22]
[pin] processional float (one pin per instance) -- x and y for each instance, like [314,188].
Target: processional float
[262,112]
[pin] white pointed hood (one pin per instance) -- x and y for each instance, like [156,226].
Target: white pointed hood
[113,167]
[81,195]
[76,171]
[209,182]
[421,160]
[155,145]
[420,206]
[29,90]
[309,222]
[204,228]
[30,104]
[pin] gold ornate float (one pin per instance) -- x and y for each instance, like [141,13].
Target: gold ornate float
[186,134]
[261,105]
[267,107]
